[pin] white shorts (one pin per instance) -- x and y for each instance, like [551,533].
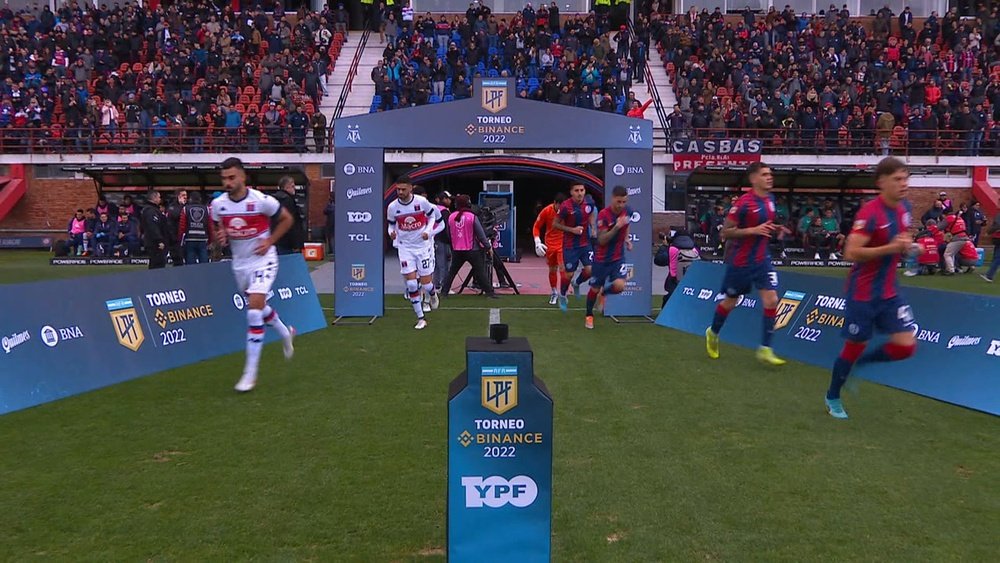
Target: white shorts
[419,260]
[257,278]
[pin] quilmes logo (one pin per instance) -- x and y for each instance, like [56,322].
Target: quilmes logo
[51,336]
[358,192]
[126,323]
[496,492]
[359,217]
[14,340]
[499,386]
[958,341]
[358,272]
[494,97]
[790,301]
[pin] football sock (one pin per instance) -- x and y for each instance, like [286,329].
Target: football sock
[553,280]
[429,288]
[413,292]
[255,339]
[272,320]
[769,316]
[609,289]
[591,300]
[565,286]
[888,353]
[842,367]
[720,318]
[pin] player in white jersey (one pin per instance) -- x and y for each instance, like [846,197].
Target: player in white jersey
[243,219]
[413,222]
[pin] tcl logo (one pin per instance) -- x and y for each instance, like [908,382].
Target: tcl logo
[359,217]
[994,349]
[495,492]
[358,237]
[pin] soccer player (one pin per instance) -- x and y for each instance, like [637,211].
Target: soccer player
[747,232]
[612,240]
[877,240]
[243,217]
[413,222]
[575,219]
[551,249]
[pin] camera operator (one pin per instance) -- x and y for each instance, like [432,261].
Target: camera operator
[469,243]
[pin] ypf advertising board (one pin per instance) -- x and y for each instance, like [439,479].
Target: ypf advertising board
[130,324]
[957,358]
[499,457]
[634,170]
[358,230]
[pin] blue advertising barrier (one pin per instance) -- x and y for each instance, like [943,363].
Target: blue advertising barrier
[64,337]
[958,348]
[499,457]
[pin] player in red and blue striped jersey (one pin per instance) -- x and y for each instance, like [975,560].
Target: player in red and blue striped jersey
[609,270]
[575,219]
[747,232]
[878,239]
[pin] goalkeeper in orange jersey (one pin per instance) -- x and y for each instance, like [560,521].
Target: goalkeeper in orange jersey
[551,249]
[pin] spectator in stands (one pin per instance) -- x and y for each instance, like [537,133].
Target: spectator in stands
[298,122]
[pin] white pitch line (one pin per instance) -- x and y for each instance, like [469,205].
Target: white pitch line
[551,309]
[494,316]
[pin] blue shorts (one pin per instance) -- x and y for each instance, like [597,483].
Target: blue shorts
[574,256]
[741,280]
[889,316]
[606,273]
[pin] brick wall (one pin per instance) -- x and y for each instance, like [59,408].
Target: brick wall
[49,204]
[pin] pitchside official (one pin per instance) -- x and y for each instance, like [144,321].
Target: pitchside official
[195,230]
[154,231]
[292,241]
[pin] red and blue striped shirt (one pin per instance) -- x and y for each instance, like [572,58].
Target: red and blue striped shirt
[748,212]
[572,214]
[876,279]
[615,249]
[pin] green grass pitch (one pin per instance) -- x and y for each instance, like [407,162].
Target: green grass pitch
[660,453]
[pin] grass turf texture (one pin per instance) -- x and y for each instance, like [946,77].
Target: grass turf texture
[660,454]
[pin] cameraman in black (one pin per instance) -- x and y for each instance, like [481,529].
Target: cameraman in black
[154,231]
[295,238]
[469,243]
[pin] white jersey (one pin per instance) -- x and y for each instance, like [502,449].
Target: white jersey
[246,222]
[412,220]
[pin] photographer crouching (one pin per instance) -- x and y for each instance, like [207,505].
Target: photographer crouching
[469,243]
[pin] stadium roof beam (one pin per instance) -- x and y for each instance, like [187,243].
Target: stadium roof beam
[118,177]
[785,177]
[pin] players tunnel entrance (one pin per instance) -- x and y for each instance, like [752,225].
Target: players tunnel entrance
[533,181]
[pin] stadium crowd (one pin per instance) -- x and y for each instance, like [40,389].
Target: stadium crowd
[832,83]
[190,76]
[588,61]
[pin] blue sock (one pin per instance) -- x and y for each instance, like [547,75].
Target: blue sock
[769,317]
[719,319]
[841,369]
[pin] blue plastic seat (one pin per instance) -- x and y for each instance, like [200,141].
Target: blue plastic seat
[434,99]
[449,98]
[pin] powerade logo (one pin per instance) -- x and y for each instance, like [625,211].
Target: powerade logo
[496,492]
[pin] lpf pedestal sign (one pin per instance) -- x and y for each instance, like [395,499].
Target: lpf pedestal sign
[499,456]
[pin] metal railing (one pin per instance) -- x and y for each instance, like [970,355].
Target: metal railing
[352,73]
[650,83]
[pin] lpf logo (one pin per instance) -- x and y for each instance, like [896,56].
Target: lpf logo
[499,393]
[496,492]
[494,98]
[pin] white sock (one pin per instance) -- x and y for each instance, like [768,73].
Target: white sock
[413,290]
[429,288]
[255,340]
[272,320]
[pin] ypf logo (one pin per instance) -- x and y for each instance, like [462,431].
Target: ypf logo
[495,492]
[705,294]
[349,169]
[359,217]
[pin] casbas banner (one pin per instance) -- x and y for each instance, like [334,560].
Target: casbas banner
[958,348]
[64,337]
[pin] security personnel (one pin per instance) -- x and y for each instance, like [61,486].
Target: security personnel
[601,9]
[295,238]
[621,13]
[195,230]
[154,231]
[370,15]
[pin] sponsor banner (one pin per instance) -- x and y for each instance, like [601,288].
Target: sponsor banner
[92,261]
[130,324]
[358,233]
[26,242]
[963,336]
[690,154]
[499,456]
[779,262]
[634,170]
